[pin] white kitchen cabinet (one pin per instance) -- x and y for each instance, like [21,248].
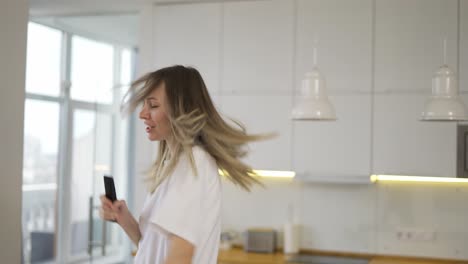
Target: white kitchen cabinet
[258,47]
[340,150]
[409,42]
[463,46]
[343,31]
[336,149]
[189,34]
[264,114]
[403,145]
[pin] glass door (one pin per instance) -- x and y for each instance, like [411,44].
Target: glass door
[40,180]
[41,160]
[95,151]
[91,238]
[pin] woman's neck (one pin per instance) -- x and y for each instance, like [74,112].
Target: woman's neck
[170,146]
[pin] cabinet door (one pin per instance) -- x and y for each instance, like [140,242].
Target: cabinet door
[463,76]
[336,149]
[342,31]
[463,46]
[264,114]
[406,146]
[409,48]
[409,43]
[190,35]
[258,47]
[341,148]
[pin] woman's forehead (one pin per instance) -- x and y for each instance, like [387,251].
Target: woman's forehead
[158,93]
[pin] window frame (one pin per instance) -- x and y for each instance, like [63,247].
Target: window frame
[64,165]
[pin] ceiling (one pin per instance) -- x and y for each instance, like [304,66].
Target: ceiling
[113,28]
[97,19]
[62,7]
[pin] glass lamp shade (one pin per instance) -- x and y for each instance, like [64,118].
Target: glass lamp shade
[444,103]
[313,103]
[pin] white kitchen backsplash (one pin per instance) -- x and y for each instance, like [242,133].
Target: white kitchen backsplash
[359,218]
[438,210]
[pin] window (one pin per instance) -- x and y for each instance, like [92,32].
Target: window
[43,60]
[41,134]
[73,135]
[92,70]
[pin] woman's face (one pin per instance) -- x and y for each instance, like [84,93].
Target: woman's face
[154,114]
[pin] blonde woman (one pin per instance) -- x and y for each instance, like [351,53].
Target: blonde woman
[180,220]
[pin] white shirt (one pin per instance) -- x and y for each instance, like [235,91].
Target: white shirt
[185,205]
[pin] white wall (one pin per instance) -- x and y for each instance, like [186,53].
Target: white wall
[13,25]
[145,151]
[253,55]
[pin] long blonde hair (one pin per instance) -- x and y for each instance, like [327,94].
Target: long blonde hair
[194,120]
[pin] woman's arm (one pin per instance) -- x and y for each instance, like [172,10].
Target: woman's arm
[180,251]
[118,211]
[131,227]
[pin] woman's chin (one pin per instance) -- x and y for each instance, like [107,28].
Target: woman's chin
[153,138]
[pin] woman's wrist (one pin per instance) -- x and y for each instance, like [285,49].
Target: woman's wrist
[131,227]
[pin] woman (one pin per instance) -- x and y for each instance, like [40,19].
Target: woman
[180,220]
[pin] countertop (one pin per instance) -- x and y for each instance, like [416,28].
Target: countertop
[237,255]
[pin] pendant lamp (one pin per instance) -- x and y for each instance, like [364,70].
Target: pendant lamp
[444,104]
[313,103]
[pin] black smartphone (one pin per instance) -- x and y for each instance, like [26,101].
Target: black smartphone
[110,188]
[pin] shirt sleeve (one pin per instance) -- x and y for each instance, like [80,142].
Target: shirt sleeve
[179,210]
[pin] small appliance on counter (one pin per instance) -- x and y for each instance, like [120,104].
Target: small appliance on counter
[227,239]
[260,240]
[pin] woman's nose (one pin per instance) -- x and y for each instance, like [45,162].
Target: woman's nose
[143,113]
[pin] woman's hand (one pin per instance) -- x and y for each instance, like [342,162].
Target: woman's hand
[118,211]
[106,212]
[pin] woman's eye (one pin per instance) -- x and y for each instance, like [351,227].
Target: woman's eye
[153,106]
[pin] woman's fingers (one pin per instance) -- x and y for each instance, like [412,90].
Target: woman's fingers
[111,210]
[105,201]
[119,205]
[106,214]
